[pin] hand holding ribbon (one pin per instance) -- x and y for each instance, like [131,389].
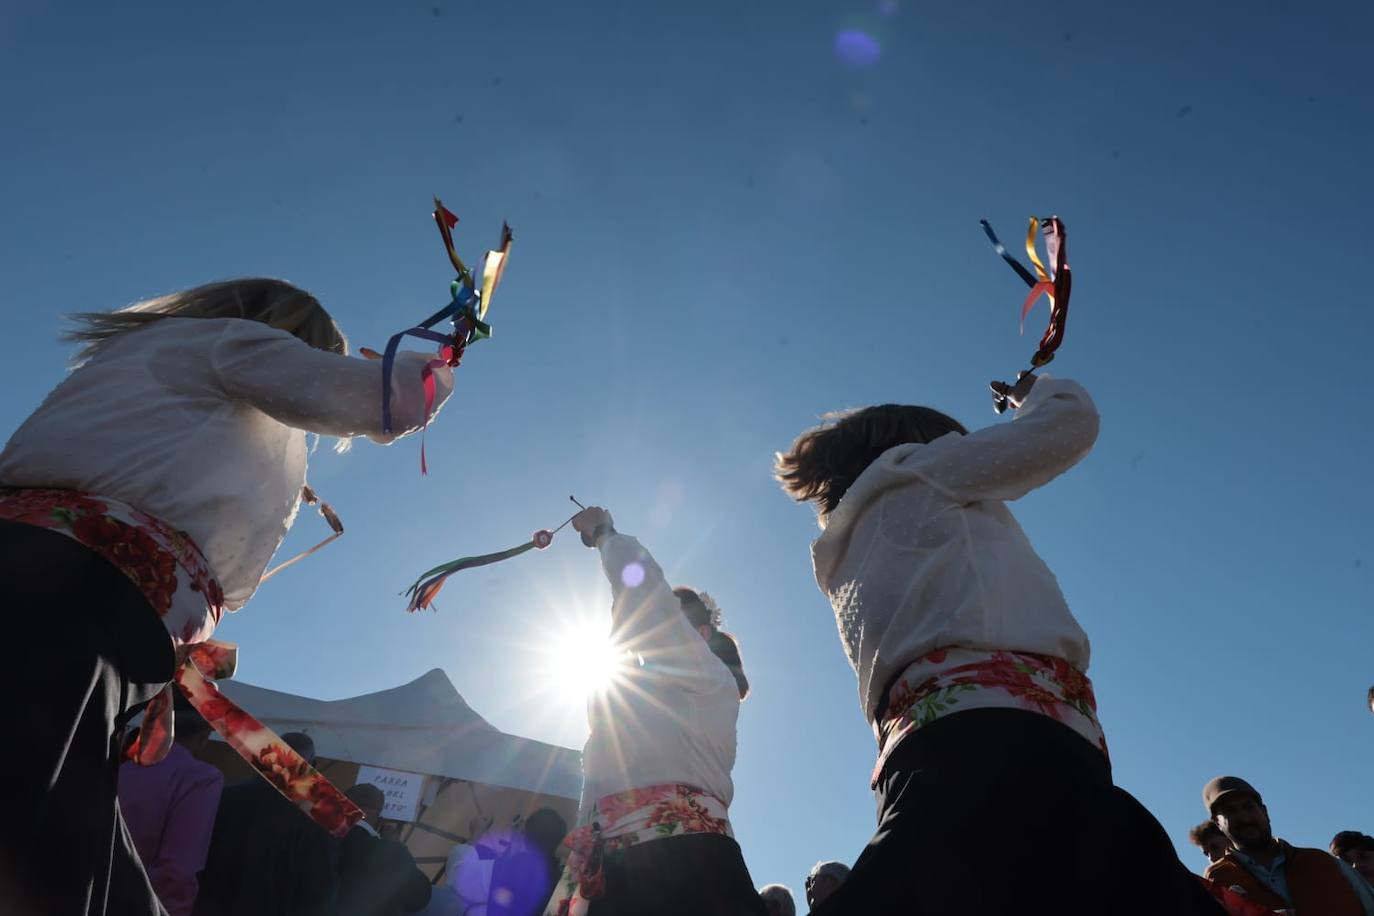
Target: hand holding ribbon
[1056,286]
[426,588]
[467,310]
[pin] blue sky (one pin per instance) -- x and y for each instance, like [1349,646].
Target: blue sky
[724,229]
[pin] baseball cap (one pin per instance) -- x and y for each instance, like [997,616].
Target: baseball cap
[1222,786]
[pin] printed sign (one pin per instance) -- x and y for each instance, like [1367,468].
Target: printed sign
[402,790]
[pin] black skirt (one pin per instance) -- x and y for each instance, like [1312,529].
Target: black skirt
[999,811]
[691,875]
[81,651]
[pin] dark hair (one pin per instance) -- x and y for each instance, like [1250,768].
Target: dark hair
[1199,834]
[825,461]
[719,642]
[546,828]
[1349,841]
[365,793]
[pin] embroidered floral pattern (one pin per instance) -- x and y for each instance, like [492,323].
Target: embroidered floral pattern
[627,819]
[951,680]
[173,575]
[165,564]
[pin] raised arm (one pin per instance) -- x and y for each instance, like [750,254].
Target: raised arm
[318,391]
[1055,426]
[646,617]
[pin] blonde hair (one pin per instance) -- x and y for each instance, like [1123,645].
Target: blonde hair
[275,303]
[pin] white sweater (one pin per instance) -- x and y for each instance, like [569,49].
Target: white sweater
[671,719]
[921,553]
[201,423]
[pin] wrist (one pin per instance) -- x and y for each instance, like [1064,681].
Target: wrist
[601,532]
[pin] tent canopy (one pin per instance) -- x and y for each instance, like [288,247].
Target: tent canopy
[421,727]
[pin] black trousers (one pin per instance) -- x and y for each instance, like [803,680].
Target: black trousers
[999,811]
[80,650]
[693,875]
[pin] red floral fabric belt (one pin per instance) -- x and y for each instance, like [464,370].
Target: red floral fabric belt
[952,680]
[173,575]
[627,819]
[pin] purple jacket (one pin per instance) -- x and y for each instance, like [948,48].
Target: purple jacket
[170,811]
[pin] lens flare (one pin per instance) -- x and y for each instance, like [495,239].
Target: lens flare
[856,48]
[632,575]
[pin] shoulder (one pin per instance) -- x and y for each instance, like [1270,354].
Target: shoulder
[1218,870]
[1311,856]
[205,774]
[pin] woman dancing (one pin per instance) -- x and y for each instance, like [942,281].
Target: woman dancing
[972,670]
[654,833]
[142,499]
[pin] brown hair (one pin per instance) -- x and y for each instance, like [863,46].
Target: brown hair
[725,647]
[275,303]
[825,461]
[1199,834]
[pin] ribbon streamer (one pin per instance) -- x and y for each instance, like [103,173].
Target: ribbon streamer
[424,590]
[467,310]
[198,667]
[308,496]
[1056,286]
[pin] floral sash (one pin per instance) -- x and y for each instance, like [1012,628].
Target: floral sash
[175,578]
[952,680]
[627,819]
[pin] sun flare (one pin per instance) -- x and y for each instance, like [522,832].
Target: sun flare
[583,661]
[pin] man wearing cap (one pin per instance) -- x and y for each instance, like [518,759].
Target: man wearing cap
[1272,873]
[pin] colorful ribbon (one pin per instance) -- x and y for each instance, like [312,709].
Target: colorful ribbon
[1056,285]
[467,310]
[424,590]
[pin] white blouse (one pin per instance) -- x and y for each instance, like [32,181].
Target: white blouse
[201,423]
[670,714]
[921,553]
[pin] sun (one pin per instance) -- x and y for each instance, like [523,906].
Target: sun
[582,660]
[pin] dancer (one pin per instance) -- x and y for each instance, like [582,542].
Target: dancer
[654,833]
[972,670]
[140,500]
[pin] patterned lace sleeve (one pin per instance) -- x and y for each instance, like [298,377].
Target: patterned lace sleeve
[318,391]
[1055,427]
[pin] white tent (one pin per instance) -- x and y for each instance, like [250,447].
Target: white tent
[466,769]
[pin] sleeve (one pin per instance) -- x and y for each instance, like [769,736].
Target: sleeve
[186,842]
[318,391]
[647,618]
[1052,431]
[1362,889]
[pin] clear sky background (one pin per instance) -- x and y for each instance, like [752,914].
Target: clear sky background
[725,227]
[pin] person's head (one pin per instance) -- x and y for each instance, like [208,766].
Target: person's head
[777,900]
[704,616]
[1208,837]
[192,731]
[273,302]
[1356,850]
[302,744]
[545,829]
[370,799]
[825,461]
[824,880]
[1239,811]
